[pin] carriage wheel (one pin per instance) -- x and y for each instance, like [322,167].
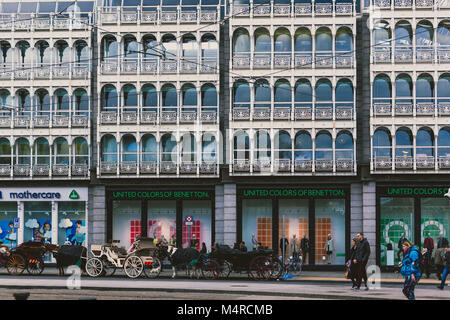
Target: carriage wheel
[15,264]
[153,269]
[35,266]
[277,268]
[261,268]
[210,270]
[94,267]
[225,270]
[133,266]
[108,268]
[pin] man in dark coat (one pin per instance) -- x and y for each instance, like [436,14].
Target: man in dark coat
[443,242]
[428,244]
[304,246]
[361,258]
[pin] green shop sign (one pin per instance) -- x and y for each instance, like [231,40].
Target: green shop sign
[161,195]
[292,193]
[421,191]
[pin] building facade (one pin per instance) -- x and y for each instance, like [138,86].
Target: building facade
[225,121]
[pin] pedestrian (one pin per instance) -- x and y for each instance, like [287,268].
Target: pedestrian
[400,247]
[443,241]
[446,268]
[428,247]
[242,247]
[235,246]
[361,258]
[439,256]
[304,246]
[203,250]
[329,248]
[410,269]
[351,267]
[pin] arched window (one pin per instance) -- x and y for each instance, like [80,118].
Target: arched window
[403,143]
[209,148]
[263,43]
[283,43]
[169,148]
[382,143]
[41,151]
[149,148]
[42,102]
[344,146]
[283,145]
[6,102]
[149,98]
[424,89]
[130,48]
[241,94]
[109,149]
[324,146]
[324,93]
[61,151]
[303,41]
[5,151]
[80,102]
[62,52]
[128,148]
[344,93]
[188,148]
[170,45]
[110,48]
[323,40]
[209,97]
[282,94]
[23,102]
[61,101]
[424,35]
[403,40]
[443,88]
[25,53]
[344,40]
[210,50]
[241,42]
[130,98]
[43,54]
[80,151]
[262,93]
[382,34]
[6,54]
[382,89]
[23,151]
[109,98]
[442,33]
[404,89]
[190,47]
[189,97]
[303,93]
[169,97]
[81,52]
[303,146]
[263,145]
[241,146]
[150,49]
[424,142]
[443,142]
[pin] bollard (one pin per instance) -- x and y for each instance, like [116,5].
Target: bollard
[21,295]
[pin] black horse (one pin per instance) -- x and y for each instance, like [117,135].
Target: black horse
[188,258]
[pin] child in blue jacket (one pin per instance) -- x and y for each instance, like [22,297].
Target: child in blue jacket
[410,269]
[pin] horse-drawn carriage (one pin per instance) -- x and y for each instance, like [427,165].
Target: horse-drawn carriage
[28,255]
[261,264]
[139,258]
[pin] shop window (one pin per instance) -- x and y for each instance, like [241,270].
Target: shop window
[330,220]
[72,223]
[38,223]
[295,213]
[126,222]
[8,234]
[257,222]
[201,213]
[396,219]
[162,216]
[435,219]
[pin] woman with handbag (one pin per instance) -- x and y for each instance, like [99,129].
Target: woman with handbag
[350,267]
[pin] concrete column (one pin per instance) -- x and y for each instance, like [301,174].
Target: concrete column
[356,209]
[369,216]
[219,214]
[229,214]
[97,215]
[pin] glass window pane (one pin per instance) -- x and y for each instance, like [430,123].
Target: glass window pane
[38,223]
[396,219]
[126,222]
[72,228]
[296,228]
[10,7]
[201,227]
[330,231]
[47,7]
[28,7]
[435,220]
[86,6]
[162,216]
[257,222]
[8,234]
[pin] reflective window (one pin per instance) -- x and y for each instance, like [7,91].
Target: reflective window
[10,7]
[129,148]
[109,149]
[324,146]
[28,7]
[149,148]
[47,7]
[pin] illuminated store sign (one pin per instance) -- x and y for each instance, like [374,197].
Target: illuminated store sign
[161,195]
[425,191]
[292,193]
[43,194]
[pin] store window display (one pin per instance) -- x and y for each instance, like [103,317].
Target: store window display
[72,223]
[330,231]
[8,234]
[200,230]
[435,218]
[162,216]
[126,222]
[257,220]
[38,223]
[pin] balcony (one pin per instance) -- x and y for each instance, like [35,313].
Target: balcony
[403,163]
[343,8]
[168,67]
[282,165]
[303,9]
[261,61]
[128,167]
[402,4]
[443,54]
[61,121]
[444,162]
[382,3]
[303,113]
[241,62]
[188,67]
[168,16]
[281,10]
[208,168]
[129,17]
[383,163]
[148,167]
[344,113]
[130,67]
[108,117]
[261,10]
[5,170]
[324,165]
[79,169]
[424,109]
[168,116]
[241,113]
[187,167]
[128,117]
[31,22]
[241,10]
[324,60]
[424,55]
[303,165]
[241,166]
[344,165]
[22,170]
[261,114]
[41,170]
[424,162]
[60,170]
[149,117]
[382,54]
[444,109]
[323,9]
[403,109]
[168,167]
[261,165]
[282,113]
[344,60]
[303,61]
[282,61]
[188,116]
[403,54]
[107,167]
[324,113]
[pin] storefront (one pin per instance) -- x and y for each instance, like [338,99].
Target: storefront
[414,211]
[184,216]
[49,215]
[268,215]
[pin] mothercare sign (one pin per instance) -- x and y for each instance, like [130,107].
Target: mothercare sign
[43,194]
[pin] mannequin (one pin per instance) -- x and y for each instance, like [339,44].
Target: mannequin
[194,242]
[329,248]
[254,242]
[173,241]
[428,247]
[304,246]
[284,243]
[294,246]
